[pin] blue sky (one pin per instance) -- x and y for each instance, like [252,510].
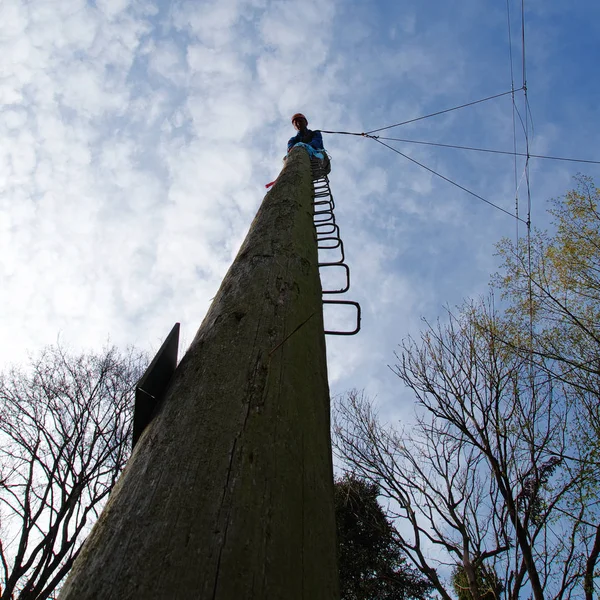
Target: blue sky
[136,138]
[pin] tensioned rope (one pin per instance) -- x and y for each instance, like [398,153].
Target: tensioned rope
[527,180]
[527,154]
[449,180]
[369,134]
[514,132]
[514,124]
[435,114]
[506,152]
[441,112]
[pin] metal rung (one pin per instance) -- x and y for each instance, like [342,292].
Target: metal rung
[326,239]
[318,176]
[324,220]
[328,211]
[339,245]
[347,270]
[358,317]
[333,227]
[327,203]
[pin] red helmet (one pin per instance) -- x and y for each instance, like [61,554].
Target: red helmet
[299,116]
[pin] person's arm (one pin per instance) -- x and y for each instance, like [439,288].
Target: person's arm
[293,141]
[317,140]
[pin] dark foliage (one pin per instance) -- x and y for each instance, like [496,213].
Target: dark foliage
[487,583]
[371,564]
[530,499]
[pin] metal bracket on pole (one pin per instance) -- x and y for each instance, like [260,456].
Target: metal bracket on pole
[151,387]
[346,287]
[358,317]
[333,227]
[331,243]
[329,203]
[319,219]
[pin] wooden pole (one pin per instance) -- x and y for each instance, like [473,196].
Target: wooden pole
[229,492]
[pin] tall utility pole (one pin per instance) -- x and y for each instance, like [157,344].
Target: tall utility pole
[228,494]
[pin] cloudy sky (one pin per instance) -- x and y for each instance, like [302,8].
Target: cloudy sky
[136,138]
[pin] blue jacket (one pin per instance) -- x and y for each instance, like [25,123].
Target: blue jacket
[313,138]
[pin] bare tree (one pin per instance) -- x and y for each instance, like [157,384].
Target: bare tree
[487,479]
[553,288]
[64,429]
[500,472]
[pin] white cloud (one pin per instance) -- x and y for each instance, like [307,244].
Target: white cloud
[112,8]
[212,21]
[136,138]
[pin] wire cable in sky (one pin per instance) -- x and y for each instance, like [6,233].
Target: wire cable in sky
[440,112]
[528,185]
[448,180]
[514,124]
[506,152]
[343,132]
[523,43]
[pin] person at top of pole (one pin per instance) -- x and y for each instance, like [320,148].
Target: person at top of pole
[304,135]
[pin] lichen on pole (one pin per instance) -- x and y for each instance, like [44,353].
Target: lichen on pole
[229,491]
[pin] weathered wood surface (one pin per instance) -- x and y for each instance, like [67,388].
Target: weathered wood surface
[229,492]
